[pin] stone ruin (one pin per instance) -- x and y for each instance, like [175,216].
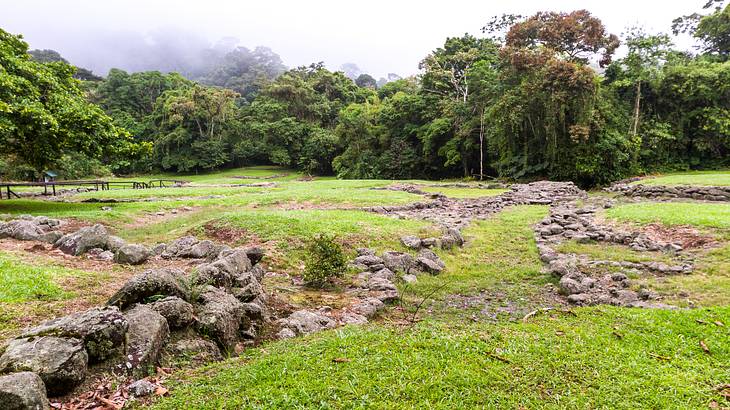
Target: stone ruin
[702,193]
[577,282]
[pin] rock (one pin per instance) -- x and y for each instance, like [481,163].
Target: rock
[84,239]
[364,251]
[409,278]
[132,254]
[353,319]
[164,282]
[176,311]
[22,230]
[410,241]
[50,237]
[114,243]
[286,333]
[430,242]
[141,388]
[429,266]
[368,307]
[196,348]
[304,322]
[562,266]
[23,391]
[60,362]
[148,331]
[220,317]
[454,233]
[384,273]
[254,253]
[380,284]
[159,249]
[570,286]
[626,297]
[398,261]
[105,256]
[180,247]
[368,260]
[555,229]
[102,329]
[579,299]
[201,250]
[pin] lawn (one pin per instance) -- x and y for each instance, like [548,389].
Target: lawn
[21,283]
[704,178]
[595,358]
[709,215]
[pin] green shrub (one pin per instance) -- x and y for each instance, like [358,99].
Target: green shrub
[324,260]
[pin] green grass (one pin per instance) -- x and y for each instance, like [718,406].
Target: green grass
[554,361]
[708,215]
[220,177]
[500,255]
[464,192]
[20,282]
[700,178]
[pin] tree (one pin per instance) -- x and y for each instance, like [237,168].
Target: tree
[366,81]
[43,113]
[245,71]
[713,30]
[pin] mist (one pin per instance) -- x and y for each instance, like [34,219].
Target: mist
[380,37]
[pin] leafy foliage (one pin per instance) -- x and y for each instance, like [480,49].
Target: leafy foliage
[324,260]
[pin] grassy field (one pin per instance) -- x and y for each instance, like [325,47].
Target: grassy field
[710,215]
[597,358]
[704,178]
[466,346]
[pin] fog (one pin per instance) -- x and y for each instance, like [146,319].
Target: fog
[379,36]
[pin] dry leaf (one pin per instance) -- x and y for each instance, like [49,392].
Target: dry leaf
[617,334]
[704,347]
[161,391]
[559,332]
[341,360]
[718,323]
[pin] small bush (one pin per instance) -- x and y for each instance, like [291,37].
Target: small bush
[324,260]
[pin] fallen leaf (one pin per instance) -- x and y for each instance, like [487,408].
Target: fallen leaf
[559,332]
[161,391]
[656,356]
[700,321]
[713,405]
[617,334]
[718,323]
[341,360]
[704,347]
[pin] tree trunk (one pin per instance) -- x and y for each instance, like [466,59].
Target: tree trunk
[481,146]
[637,101]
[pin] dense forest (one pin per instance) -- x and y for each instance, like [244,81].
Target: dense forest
[542,96]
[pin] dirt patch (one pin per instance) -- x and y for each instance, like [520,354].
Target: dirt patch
[226,234]
[158,217]
[687,236]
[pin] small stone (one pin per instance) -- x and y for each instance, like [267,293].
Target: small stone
[141,388]
[410,241]
[132,254]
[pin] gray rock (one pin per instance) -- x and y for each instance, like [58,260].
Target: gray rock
[132,254]
[202,249]
[21,229]
[353,319]
[304,322]
[84,239]
[368,260]
[398,261]
[165,282]
[384,273]
[286,333]
[114,243]
[368,307]
[180,247]
[197,348]
[430,242]
[103,330]
[50,237]
[255,254]
[380,284]
[579,299]
[429,266]
[364,251]
[220,317]
[177,312]
[105,256]
[141,388]
[570,286]
[148,331]
[23,391]
[159,249]
[409,278]
[60,362]
[410,241]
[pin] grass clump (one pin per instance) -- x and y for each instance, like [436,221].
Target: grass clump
[324,260]
[20,282]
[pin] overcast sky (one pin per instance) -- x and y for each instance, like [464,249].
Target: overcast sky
[380,36]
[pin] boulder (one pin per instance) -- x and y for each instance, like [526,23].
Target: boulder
[569,285]
[368,260]
[84,239]
[23,391]
[410,241]
[429,262]
[180,247]
[60,362]
[114,243]
[304,322]
[148,331]
[195,348]
[398,261]
[220,317]
[254,253]
[50,237]
[353,319]
[132,254]
[202,249]
[164,282]
[21,229]
[177,312]
[380,284]
[102,329]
